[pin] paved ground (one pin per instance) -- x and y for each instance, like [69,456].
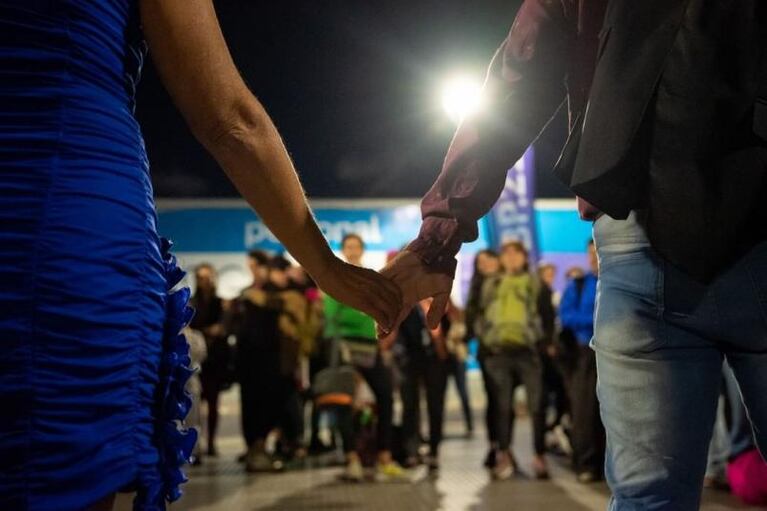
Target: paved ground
[462,485]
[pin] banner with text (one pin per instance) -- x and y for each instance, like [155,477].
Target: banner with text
[513,216]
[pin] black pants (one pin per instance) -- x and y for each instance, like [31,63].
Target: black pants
[588,436]
[292,420]
[554,392]
[506,371]
[344,422]
[457,369]
[211,388]
[490,412]
[262,396]
[317,363]
[431,373]
[379,378]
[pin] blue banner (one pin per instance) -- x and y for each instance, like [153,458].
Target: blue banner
[513,216]
[231,226]
[207,228]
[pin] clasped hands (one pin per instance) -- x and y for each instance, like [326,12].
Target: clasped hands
[389,296]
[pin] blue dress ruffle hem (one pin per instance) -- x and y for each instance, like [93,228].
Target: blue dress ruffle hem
[175,441]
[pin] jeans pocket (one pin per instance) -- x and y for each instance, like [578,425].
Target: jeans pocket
[630,301]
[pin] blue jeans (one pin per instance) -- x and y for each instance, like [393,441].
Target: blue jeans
[660,340]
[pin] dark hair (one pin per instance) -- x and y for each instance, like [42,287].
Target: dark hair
[519,247]
[279,262]
[259,256]
[475,291]
[477,279]
[201,297]
[546,266]
[204,266]
[352,236]
[486,252]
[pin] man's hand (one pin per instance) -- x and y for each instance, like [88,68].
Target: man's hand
[417,281]
[362,289]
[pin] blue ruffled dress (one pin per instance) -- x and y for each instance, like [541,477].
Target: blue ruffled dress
[92,363]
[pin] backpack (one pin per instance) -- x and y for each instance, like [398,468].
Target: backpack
[336,384]
[511,316]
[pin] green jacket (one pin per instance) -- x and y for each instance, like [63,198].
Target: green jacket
[510,311]
[343,322]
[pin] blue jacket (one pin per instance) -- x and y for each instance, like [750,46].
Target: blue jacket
[576,310]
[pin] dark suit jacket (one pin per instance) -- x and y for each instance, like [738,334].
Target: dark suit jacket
[598,163]
[555,50]
[603,161]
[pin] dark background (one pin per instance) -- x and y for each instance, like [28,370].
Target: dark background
[352,85]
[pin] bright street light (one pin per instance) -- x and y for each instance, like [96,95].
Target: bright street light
[461,97]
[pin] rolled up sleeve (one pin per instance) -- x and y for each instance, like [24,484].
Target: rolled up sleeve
[524,88]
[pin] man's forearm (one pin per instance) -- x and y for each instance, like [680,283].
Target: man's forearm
[524,88]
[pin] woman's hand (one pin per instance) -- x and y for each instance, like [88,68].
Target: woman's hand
[361,289]
[417,281]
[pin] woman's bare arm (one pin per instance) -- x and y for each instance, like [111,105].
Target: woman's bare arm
[196,67]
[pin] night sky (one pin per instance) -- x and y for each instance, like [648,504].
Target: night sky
[352,85]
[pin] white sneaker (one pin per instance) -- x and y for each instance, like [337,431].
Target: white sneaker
[354,472]
[563,440]
[504,467]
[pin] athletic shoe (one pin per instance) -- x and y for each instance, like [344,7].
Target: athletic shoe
[504,469]
[391,473]
[258,461]
[354,472]
[563,440]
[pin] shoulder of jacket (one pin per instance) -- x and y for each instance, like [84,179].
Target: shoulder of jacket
[254,296]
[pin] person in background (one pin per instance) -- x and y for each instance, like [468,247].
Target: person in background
[264,364]
[574,272]
[510,336]
[577,315]
[209,319]
[454,332]
[259,270]
[299,279]
[357,332]
[198,350]
[251,325]
[422,358]
[546,311]
[313,353]
[294,326]
[486,265]
[553,385]
[547,272]
[258,369]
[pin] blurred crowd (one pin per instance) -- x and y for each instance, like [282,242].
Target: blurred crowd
[315,380]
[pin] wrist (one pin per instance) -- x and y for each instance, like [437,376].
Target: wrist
[323,266]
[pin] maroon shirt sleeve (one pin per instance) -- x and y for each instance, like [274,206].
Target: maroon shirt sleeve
[525,86]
